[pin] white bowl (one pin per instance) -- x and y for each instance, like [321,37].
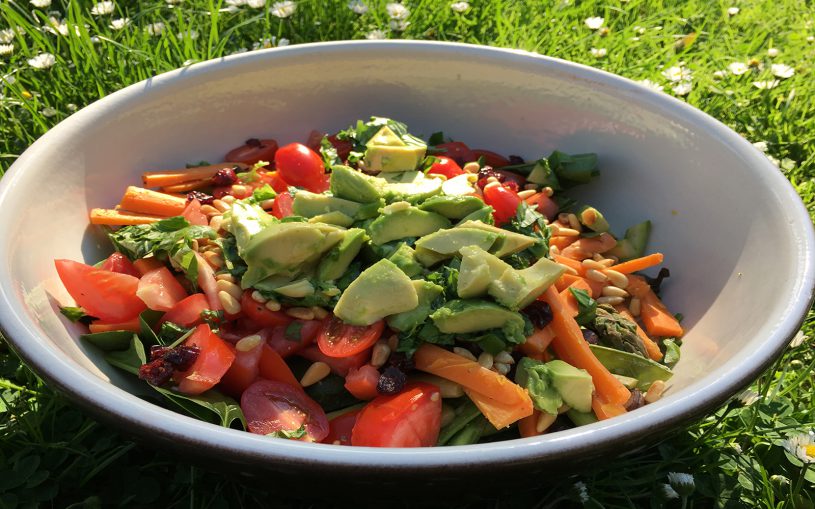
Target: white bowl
[735,235]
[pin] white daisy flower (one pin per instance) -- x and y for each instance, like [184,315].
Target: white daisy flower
[667,492]
[42,61]
[640,30]
[682,88]
[732,11]
[192,34]
[103,8]
[358,6]
[738,68]
[682,483]
[719,74]
[41,4]
[802,446]
[811,38]
[6,36]
[782,71]
[48,112]
[766,85]
[71,107]
[748,397]
[399,25]
[595,22]
[239,51]
[459,6]
[256,4]
[173,2]
[375,35]
[677,73]
[653,85]
[799,339]
[772,52]
[58,27]
[95,39]
[761,145]
[397,11]
[6,49]
[283,9]
[582,491]
[235,3]
[736,448]
[120,23]
[282,42]
[598,52]
[155,29]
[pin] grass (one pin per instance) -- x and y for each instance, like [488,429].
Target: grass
[52,454]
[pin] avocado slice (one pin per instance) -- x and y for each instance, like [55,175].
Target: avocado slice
[581,418]
[354,185]
[646,371]
[461,316]
[335,217]
[574,385]
[516,289]
[477,271]
[336,262]
[482,215]
[387,152]
[453,207]
[427,293]
[460,185]
[511,243]
[633,245]
[296,289]
[449,242]
[412,186]
[402,222]
[245,221]
[405,258]
[543,175]
[380,290]
[309,204]
[429,258]
[554,383]
[592,219]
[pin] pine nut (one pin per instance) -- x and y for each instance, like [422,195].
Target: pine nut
[486,360]
[574,222]
[258,297]
[592,264]
[209,210]
[229,199]
[472,178]
[267,204]
[531,186]
[472,167]
[216,222]
[606,262]
[505,358]
[272,305]
[225,276]
[315,373]
[238,189]
[501,368]
[554,229]
[567,232]
[463,352]
[596,275]
[248,343]
[614,259]
[491,180]
[618,279]
[215,261]
[634,306]
[563,217]
[380,353]
[612,301]
[393,342]
[447,415]
[220,205]
[554,250]
[319,313]
[300,313]
[548,191]
[230,304]
[526,193]
[230,288]
[655,392]
[544,421]
[492,184]
[569,270]
[613,291]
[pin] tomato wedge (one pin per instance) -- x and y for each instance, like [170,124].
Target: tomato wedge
[214,359]
[109,296]
[458,151]
[243,371]
[503,201]
[490,158]
[160,290]
[338,339]
[260,314]
[362,382]
[340,428]
[544,205]
[187,312]
[192,213]
[274,406]
[283,205]
[411,418]
[286,345]
[446,167]
[252,151]
[117,262]
[272,367]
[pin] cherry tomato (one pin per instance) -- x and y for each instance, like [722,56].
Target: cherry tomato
[187,312]
[490,158]
[117,262]
[411,418]
[253,151]
[340,427]
[274,179]
[160,290]
[243,371]
[273,367]
[545,205]
[285,345]
[260,314]
[214,359]
[283,205]
[503,201]
[446,167]
[338,366]
[338,339]
[457,151]
[109,296]
[192,213]
[362,382]
[300,166]
[274,406]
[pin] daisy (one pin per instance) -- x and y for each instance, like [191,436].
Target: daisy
[677,73]
[772,52]
[640,30]
[667,492]
[375,35]
[42,61]
[283,9]
[802,446]
[155,29]
[459,6]
[653,85]
[118,24]
[598,52]
[682,88]
[257,4]
[719,74]
[173,2]
[595,22]
[192,34]
[682,483]
[48,112]
[799,339]
[399,25]
[41,4]
[748,397]
[738,68]
[57,27]
[6,49]
[71,107]
[732,11]
[761,145]
[782,71]
[358,6]
[582,491]
[6,36]
[103,8]
[766,85]
[397,11]
[235,3]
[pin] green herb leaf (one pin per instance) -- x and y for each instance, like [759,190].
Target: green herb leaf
[263,193]
[75,314]
[530,222]
[291,434]
[212,317]
[586,306]
[436,138]
[129,360]
[232,260]
[170,333]
[672,352]
[247,177]
[110,341]
[329,153]
[148,319]
[211,406]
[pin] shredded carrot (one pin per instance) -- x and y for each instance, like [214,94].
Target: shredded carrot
[584,247]
[650,345]
[499,412]
[174,177]
[121,217]
[146,201]
[655,316]
[638,264]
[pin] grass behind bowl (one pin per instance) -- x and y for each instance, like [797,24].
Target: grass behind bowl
[747,63]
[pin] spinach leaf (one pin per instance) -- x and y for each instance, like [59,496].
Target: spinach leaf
[211,406]
[446,276]
[232,261]
[436,138]
[329,153]
[129,360]
[672,352]
[170,333]
[263,193]
[409,341]
[586,306]
[109,341]
[148,319]
[76,314]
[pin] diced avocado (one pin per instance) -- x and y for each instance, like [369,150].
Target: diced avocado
[354,185]
[429,258]
[574,385]
[284,248]
[554,383]
[427,293]
[511,243]
[644,370]
[380,290]
[630,383]
[412,186]
[543,175]
[336,262]
[369,210]
[405,258]
[308,204]
[460,185]
[462,316]
[449,242]
[296,289]
[405,222]
[634,243]
[453,207]
[447,388]
[517,289]
[386,152]
[477,271]
[581,418]
[336,217]
[244,221]
[577,168]
[592,219]
[483,215]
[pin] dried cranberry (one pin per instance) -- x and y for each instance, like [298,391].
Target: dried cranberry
[202,197]
[391,381]
[512,185]
[656,282]
[539,313]
[590,336]
[635,401]
[513,160]
[254,142]
[484,174]
[183,357]
[158,351]
[224,177]
[401,361]
[156,372]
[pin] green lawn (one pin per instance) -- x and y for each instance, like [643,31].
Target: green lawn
[725,60]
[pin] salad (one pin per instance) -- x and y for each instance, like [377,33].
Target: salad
[370,288]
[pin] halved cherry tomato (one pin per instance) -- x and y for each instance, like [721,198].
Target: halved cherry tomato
[274,406]
[109,296]
[490,158]
[284,345]
[503,201]
[214,359]
[283,205]
[340,427]
[362,382]
[253,151]
[243,371]
[262,315]
[192,213]
[411,418]
[160,290]
[117,262]
[300,166]
[187,312]
[339,366]
[338,339]
[145,265]
[446,167]
[545,205]
[273,367]
[457,151]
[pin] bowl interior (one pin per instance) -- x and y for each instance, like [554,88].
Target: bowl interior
[734,236]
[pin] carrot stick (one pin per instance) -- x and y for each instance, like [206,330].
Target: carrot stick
[568,297]
[120,218]
[538,342]
[186,187]
[562,242]
[174,177]
[583,248]
[146,201]
[527,426]
[655,316]
[571,263]
[638,264]
[650,345]
[501,413]
[98,326]
[570,346]
[605,410]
